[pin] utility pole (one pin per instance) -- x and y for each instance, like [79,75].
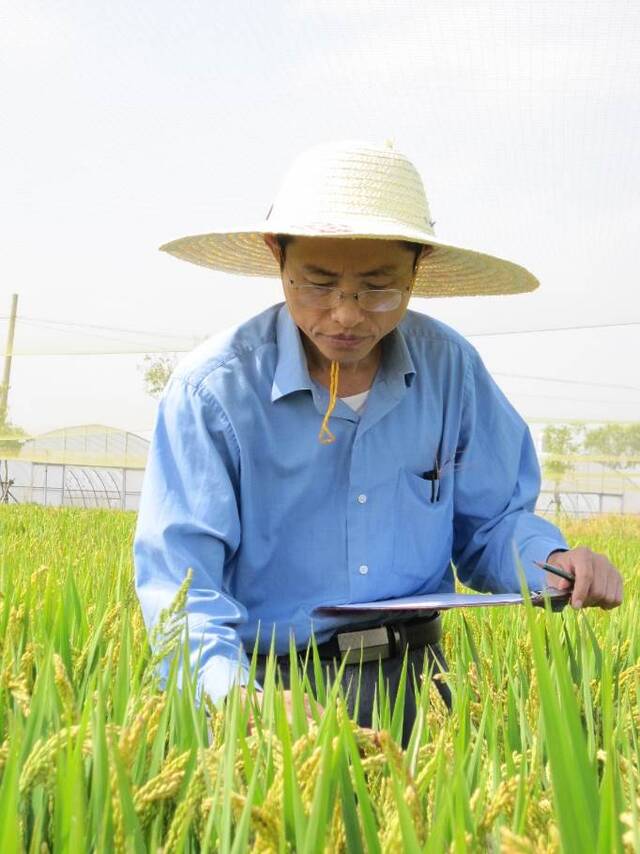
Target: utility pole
[4,388]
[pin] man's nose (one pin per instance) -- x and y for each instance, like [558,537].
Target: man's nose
[348,312]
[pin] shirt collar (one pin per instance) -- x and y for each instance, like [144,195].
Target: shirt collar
[397,363]
[292,373]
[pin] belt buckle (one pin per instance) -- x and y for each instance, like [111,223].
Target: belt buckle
[370,643]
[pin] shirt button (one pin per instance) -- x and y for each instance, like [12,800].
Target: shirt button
[362,499]
[364,569]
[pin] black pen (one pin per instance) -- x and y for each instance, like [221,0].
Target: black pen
[434,477]
[436,466]
[561,573]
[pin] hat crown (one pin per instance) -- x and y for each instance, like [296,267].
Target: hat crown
[332,184]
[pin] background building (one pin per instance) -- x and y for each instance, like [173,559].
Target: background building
[590,485]
[85,466]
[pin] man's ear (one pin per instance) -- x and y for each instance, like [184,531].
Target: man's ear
[274,246]
[426,251]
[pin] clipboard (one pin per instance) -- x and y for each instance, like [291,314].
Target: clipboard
[447,601]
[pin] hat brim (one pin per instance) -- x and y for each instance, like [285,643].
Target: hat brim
[447,271]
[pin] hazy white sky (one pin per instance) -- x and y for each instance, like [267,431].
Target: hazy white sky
[124,125]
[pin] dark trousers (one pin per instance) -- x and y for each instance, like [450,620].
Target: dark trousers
[391,670]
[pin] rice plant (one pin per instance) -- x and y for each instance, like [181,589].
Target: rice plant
[540,751]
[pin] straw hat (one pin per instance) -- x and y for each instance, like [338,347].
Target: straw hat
[355,189]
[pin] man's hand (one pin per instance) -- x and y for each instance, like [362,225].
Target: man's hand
[288,705]
[597,582]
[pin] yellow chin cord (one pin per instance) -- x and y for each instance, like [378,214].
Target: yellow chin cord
[325,436]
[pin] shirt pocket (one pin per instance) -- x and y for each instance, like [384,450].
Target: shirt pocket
[423,533]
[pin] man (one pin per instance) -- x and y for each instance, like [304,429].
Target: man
[339,447]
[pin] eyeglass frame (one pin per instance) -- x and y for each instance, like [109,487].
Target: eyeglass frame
[334,289]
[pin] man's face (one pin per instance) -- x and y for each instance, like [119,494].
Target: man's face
[345,333]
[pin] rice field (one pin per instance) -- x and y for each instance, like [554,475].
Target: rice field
[540,753]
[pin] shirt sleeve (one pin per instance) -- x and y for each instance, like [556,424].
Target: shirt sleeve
[188,518]
[496,486]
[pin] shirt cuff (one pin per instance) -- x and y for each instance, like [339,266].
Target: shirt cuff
[538,548]
[219,675]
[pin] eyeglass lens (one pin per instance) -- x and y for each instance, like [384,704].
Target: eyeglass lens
[327,297]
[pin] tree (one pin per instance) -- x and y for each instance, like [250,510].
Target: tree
[157,372]
[559,442]
[12,438]
[619,444]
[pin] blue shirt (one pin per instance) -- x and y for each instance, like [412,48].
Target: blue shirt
[273,523]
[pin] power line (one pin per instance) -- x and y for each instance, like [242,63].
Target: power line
[569,382]
[139,351]
[555,419]
[162,334]
[554,329]
[139,348]
[174,341]
[94,327]
[576,399]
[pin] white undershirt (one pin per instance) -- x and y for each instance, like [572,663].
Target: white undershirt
[357,401]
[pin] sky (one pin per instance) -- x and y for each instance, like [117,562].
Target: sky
[125,125]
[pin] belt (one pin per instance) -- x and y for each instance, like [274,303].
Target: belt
[384,641]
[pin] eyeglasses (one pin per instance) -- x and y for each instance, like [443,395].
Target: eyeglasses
[325,296]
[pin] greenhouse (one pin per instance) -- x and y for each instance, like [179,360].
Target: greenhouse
[85,466]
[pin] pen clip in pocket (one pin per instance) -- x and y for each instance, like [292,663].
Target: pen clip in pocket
[434,477]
